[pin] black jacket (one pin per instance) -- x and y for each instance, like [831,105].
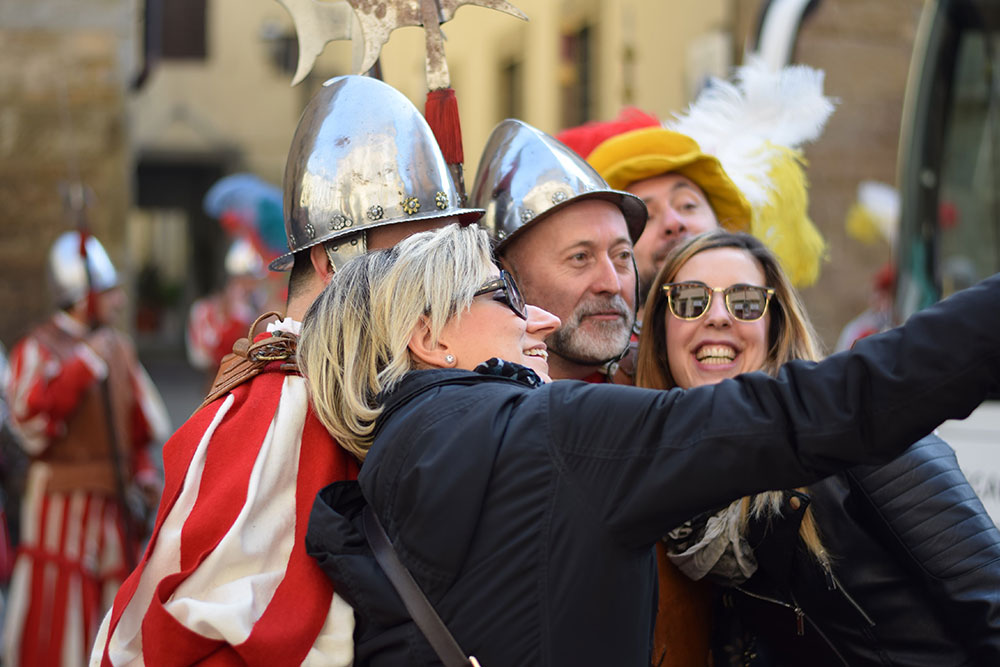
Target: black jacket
[915,574]
[528,516]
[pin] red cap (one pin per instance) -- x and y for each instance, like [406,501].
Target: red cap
[585,138]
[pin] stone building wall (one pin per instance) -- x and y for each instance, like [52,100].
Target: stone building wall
[63,72]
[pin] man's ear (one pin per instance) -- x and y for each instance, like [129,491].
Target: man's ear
[321,263]
[426,352]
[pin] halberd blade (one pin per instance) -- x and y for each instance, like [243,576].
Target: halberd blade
[378,18]
[317,23]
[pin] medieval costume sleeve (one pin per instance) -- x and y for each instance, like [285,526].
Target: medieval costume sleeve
[45,388]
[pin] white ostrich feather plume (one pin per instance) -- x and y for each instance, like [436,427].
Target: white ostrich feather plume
[742,122]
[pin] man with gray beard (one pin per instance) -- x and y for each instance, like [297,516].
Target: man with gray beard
[568,240]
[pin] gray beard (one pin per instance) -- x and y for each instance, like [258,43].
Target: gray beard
[604,342]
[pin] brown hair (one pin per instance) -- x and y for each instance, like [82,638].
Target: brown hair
[790,336]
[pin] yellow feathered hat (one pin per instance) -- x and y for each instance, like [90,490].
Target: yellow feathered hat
[756,126]
[651,151]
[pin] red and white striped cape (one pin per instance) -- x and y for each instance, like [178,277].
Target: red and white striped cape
[70,559]
[226,578]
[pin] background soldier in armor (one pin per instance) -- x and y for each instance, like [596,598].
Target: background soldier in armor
[66,377]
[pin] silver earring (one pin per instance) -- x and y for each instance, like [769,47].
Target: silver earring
[449,358]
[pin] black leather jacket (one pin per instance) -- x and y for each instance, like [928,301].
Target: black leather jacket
[528,515]
[915,574]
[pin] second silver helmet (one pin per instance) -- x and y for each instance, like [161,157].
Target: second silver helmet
[525,175]
[362,157]
[69,279]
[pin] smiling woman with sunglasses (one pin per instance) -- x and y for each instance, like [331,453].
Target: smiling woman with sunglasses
[885,564]
[527,511]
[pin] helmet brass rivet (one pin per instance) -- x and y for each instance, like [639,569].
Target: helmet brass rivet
[410,205]
[441,200]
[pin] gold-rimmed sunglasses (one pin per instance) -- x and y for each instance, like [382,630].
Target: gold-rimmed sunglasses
[691,300]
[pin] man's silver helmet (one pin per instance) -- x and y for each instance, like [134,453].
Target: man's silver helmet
[362,157]
[67,275]
[525,175]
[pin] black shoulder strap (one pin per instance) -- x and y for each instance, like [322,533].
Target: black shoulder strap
[416,602]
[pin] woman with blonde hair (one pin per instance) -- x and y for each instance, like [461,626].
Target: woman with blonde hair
[891,564]
[527,511]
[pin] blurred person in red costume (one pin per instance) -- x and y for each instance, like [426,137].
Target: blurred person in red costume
[873,219]
[87,412]
[218,320]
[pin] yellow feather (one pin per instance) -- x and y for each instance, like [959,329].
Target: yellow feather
[783,222]
[861,224]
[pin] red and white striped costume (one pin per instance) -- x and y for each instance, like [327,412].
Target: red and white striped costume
[226,579]
[71,558]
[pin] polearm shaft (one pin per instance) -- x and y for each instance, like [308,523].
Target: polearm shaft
[441,107]
[77,208]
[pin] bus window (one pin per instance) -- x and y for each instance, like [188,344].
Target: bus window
[968,243]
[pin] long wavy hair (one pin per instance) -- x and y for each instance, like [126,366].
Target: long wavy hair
[790,336]
[355,336]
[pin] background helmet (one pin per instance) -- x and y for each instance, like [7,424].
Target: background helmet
[362,157]
[525,175]
[243,260]
[67,275]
